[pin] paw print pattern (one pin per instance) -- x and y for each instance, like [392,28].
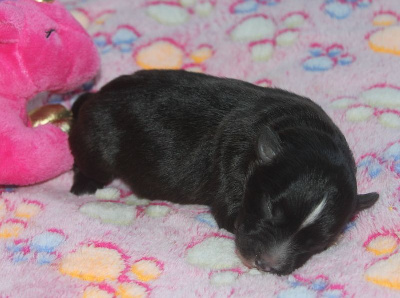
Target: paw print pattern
[116,208]
[14,218]
[263,34]
[391,156]
[92,22]
[160,209]
[110,212]
[325,58]
[6,188]
[250,6]
[381,102]
[216,252]
[11,228]
[166,53]
[319,286]
[112,207]
[109,271]
[178,12]
[385,270]
[341,9]
[42,248]
[373,164]
[122,39]
[207,218]
[386,39]
[68,98]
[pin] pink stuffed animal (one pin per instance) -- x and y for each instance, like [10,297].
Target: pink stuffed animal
[42,48]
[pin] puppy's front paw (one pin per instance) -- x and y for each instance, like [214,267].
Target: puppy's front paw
[81,189]
[84,185]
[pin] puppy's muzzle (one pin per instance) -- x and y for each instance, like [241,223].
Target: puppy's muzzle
[266,263]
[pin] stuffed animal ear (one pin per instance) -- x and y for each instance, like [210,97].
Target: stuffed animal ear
[366,201]
[8,33]
[268,145]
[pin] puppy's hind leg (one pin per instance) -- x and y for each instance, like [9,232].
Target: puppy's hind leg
[85,185]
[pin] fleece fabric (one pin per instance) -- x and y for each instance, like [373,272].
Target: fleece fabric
[343,54]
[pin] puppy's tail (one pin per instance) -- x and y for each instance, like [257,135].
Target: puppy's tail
[78,104]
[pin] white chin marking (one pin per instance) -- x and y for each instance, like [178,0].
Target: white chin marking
[313,216]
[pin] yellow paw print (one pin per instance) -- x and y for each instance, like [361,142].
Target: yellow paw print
[13,220]
[92,22]
[166,53]
[387,38]
[386,271]
[110,272]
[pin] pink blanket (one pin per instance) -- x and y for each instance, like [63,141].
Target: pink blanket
[344,54]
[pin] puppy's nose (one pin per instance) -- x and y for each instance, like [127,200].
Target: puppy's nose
[265,263]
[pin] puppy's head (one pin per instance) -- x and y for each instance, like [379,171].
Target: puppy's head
[295,206]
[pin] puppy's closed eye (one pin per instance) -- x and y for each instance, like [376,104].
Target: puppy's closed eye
[310,242]
[278,216]
[273,212]
[49,32]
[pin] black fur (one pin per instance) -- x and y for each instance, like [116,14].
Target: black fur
[262,158]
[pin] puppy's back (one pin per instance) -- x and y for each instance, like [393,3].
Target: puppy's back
[163,132]
[155,126]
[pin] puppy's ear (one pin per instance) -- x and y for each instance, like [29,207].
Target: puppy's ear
[366,201]
[268,145]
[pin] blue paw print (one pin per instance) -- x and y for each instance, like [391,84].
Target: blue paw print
[122,39]
[64,97]
[19,249]
[392,152]
[208,219]
[341,9]
[7,188]
[349,226]
[318,287]
[392,155]
[249,6]
[322,59]
[102,41]
[371,165]
[396,167]
[42,248]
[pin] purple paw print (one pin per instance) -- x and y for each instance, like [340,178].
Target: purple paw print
[325,58]
[341,9]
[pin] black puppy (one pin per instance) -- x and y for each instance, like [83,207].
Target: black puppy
[272,165]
